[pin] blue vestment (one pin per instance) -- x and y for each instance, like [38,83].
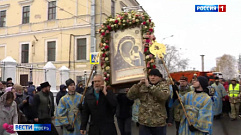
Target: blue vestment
[221,92]
[199,110]
[66,113]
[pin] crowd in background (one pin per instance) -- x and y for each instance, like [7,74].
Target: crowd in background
[31,105]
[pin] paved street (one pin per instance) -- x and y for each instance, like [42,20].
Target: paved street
[221,127]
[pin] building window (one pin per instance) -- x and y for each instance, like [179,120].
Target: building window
[51,50]
[26,12]
[25,53]
[81,49]
[3,18]
[113,8]
[52,10]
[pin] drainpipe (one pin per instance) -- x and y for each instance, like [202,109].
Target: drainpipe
[92,14]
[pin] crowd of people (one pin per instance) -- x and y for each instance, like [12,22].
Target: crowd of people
[153,104]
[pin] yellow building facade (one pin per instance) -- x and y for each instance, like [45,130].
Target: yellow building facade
[34,32]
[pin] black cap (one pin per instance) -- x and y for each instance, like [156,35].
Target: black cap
[203,82]
[45,84]
[184,78]
[155,72]
[69,82]
[216,78]
[8,79]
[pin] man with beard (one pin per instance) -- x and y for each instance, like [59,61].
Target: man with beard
[44,108]
[153,94]
[100,104]
[67,111]
[178,112]
[219,88]
[198,107]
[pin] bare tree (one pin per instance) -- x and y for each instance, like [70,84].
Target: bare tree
[227,64]
[173,60]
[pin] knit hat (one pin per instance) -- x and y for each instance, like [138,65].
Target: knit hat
[155,72]
[45,84]
[203,82]
[69,82]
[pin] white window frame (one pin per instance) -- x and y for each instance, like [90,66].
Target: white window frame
[47,17]
[46,49]
[20,51]
[29,15]
[87,48]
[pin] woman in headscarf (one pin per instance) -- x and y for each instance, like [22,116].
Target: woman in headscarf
[8,113]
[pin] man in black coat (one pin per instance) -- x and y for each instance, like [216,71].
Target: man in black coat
[44,108]
[100,104]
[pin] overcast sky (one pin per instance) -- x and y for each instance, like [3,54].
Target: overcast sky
[209,33]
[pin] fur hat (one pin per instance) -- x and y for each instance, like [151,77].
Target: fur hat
[45,84]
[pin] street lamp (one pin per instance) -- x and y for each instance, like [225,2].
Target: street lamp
[202,58]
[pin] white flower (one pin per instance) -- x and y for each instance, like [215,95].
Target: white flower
[145,27]
[137,20]
[104,44]
[107,68]
[106,59]
[124,20]
[102,30]
[108,75]
[147,57]
[112,25]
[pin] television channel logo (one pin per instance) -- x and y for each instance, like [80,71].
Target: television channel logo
[210,8]
[32,127]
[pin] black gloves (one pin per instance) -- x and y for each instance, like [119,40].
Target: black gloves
[175,88]
[69,128]
[192,128]
[80,107]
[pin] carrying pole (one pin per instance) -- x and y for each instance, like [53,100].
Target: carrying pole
[82,98]
[183,108]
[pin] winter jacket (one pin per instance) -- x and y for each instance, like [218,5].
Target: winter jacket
[7,115]
[30,93]
[60,94]
[152,110]
[101,112]
[43,105]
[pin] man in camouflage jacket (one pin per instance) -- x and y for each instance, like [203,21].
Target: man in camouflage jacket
[178,112]
[153,95]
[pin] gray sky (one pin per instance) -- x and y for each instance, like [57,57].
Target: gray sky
[196,33]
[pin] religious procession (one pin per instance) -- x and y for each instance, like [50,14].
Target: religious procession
[107,72]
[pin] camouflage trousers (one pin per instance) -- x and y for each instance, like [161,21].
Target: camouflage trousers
[234,110]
